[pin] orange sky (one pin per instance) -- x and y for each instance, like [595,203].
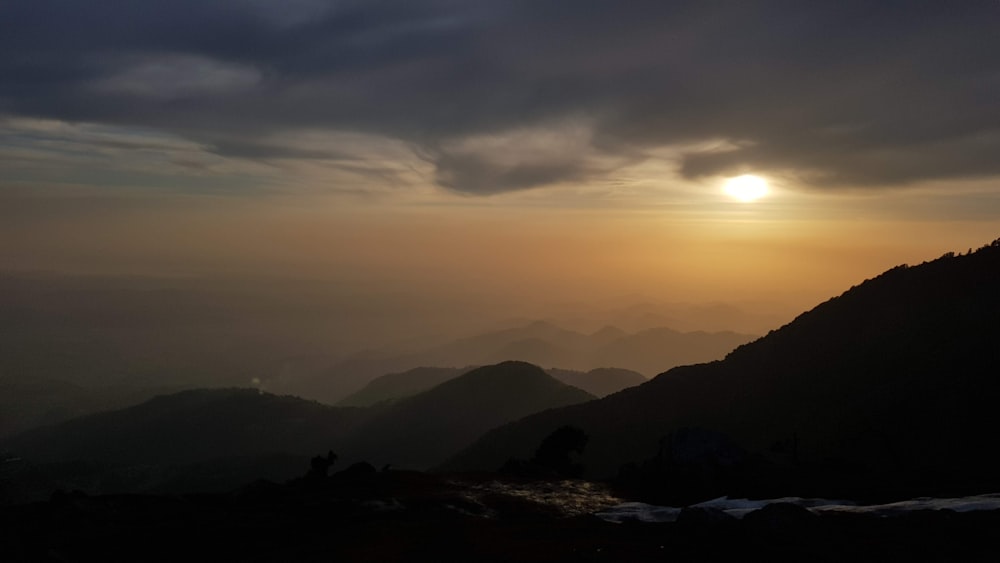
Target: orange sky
[788,251]
[521,152]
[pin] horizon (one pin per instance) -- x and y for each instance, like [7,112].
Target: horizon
[499,280]
[337,178]
[504,152]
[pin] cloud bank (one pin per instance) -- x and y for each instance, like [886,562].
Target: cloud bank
[834,94]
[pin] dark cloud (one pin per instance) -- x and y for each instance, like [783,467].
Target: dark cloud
[473,173]
[855,93]
[258,150]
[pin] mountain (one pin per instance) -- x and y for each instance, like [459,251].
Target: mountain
[214,439]
[29,402]
[536,351]
[491,342]
[655,350]
[190,427]
[599,381]
[693,317]
[538,341]
[891,386]
[607,334]
[425,429]
[192,441]
[395,386]
[541,343]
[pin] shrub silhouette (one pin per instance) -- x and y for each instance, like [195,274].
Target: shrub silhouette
[554,452]
[319,466]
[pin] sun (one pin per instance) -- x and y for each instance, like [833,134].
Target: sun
[746,187]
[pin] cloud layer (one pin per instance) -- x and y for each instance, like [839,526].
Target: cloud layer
[835,94]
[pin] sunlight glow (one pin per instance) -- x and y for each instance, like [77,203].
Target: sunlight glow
[746,187]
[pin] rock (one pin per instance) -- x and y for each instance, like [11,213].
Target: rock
[361,471]
[703,516]
[780,520]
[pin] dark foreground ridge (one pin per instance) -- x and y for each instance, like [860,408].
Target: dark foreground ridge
[212,440]
[887,391]
[364,515]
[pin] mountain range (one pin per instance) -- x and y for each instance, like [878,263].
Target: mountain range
[32,401]
[889,389]
[182,437]
[419,431]
[891,386]
[541,343]
[395,386]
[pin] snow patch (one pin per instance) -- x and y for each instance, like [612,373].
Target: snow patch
[738,508]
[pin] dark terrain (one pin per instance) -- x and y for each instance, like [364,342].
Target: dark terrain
[887,390]
[542,343]
[400,516]
[884,393]
[395,386]
[216,439]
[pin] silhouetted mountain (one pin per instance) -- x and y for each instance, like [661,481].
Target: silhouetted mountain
[536,351]
[891,386]
[395,386]
[427,428]
[103,332]
[211,439]
[607,335]
[599,381]
[540,343]
[199,440]
[655,350]
[29,402]
[192,426]
[641,314]
[491,342]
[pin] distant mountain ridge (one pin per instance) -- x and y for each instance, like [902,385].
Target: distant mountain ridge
[395,386]
[541,343]
[192,426]
[422,430]
[218,435]
[896,378]
[32,401]
[600,382]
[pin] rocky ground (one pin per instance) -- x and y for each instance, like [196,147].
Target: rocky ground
[404,516]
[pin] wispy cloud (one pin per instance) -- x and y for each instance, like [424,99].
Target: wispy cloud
[837,94]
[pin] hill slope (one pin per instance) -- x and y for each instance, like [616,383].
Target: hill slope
[896,379]
[30,402]
[600,382]
[540,343]
[192,426]
[214,439]
[427,428]
[395,386]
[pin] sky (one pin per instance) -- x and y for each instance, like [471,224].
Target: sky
[543,150]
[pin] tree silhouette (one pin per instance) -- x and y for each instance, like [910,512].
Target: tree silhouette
[319,466]
[554,452]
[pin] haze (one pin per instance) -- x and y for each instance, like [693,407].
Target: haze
[459,165]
